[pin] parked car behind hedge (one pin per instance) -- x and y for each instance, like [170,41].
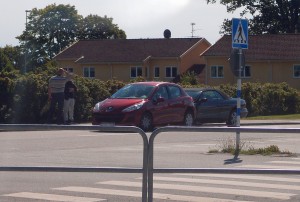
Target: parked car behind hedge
[213,105]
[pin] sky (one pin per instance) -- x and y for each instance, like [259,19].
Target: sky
[138,18]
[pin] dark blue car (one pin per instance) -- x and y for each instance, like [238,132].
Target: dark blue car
[214,106]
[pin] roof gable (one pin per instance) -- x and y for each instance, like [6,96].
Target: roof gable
[261,47]
[126,50]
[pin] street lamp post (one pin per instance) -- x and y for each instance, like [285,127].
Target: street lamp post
[25,60]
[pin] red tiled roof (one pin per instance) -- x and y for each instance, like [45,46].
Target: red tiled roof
[126,50]
[261,47]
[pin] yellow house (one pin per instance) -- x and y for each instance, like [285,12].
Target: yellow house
[126,59]
[268,59]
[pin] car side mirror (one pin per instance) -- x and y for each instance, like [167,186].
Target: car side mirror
[158,100]
[203,99]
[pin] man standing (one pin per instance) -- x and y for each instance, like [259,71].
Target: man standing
[56,94]
[70,90]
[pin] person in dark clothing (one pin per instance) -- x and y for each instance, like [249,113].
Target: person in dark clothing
[69,102]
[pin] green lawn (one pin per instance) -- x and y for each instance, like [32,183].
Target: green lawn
[274,117]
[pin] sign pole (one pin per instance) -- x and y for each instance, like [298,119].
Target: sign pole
[240,41]
[238,108]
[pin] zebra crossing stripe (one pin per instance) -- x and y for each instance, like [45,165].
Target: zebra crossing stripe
[285,162]
[229,191]
[52,197]
[229,182]
[243,177]
[138,194]
[269,167]
[101,191]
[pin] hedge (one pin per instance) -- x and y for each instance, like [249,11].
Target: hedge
[24,98]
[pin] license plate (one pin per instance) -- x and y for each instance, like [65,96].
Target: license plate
[107,124]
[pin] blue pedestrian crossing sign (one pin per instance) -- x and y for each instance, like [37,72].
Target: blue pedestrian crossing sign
[239,33]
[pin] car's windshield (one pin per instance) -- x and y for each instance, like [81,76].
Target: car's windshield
[134,91]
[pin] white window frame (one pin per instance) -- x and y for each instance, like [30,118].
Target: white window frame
[90,71]
[136,70]
[296,71]
[219,71]
[171,68]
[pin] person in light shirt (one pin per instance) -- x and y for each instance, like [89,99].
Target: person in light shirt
[56,95]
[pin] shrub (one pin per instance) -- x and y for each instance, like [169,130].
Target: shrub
[24,98]
[267,99]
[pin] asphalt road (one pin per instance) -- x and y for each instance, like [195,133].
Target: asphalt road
[172,150]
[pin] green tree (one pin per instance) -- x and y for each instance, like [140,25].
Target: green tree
[96,27]
[48,32]
[53,28]
[10,58]
[268,16]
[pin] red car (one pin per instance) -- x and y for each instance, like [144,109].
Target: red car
[146,105]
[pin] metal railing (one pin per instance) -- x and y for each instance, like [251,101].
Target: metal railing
[39,127]
[148,152]
[152,170]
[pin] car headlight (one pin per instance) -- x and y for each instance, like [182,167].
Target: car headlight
[97,107]
[133,107]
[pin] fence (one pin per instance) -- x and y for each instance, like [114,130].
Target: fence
[38,127]
[152,170]
[148,152]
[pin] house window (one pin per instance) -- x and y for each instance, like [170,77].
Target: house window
[89,72]
[69,69]
[156,72]
[296,71]
[246,72]
[136,72]
[171,72]
[217,72]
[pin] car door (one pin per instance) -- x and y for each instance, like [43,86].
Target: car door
[160,109]
[210,105]
[220,110]
[176,103]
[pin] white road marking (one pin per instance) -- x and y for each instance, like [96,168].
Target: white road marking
[286,162]
[53,197]
[243,176]
[229,182]
[138,194]
[270,167]
[265,194]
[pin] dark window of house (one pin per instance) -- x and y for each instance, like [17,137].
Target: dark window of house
[171,72]
[217,72]
[136,72]
[156,72]
[69,69]
[89,72]
[297,71]
[246,72]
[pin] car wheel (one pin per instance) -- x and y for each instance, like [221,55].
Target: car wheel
[188,119]
[146,122]
[232,119]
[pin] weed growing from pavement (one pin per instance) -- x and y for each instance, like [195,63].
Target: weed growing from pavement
[227,145]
